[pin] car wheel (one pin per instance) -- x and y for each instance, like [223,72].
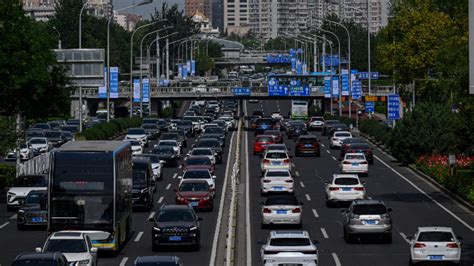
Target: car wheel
[388,238]
[197,246]
[154,247]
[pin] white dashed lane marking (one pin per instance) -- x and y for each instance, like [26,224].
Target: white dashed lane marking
[160,200]
[308,198]
[123,261]
[325,234]
[151,215]
[168,186]
[315,213]
[302,184]
[297,173]
[334,158]
[14,217]
[336,259]
[328,151]
[3,225]
[175,175]
[139,235]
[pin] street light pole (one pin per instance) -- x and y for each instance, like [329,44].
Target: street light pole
[80,24]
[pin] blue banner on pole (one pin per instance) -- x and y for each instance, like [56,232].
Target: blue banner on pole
[299,68]
[193,67]
[136,90]
[335,86]
[114,82]
[369,107]
[292,53]
[180,71]
[393,107]
[102,92]
[330,60]
[327,87]
[356,89]
[293,65]
[146,91]
[241,91]
[185,72]
[345,82]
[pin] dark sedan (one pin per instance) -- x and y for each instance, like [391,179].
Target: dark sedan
[33,212]
[296,129]
[167,154]
[362,148]
[328,124]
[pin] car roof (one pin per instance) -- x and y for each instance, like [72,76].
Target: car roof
[355,153]
[277,170]
[36,255]
[345,176]
[367,202]
[140,160]
[67,235]
[175,207]
[289,234]
[435,229]
[153,259]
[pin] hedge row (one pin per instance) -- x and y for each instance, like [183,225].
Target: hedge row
[7,175]
[109,130]
[376,130]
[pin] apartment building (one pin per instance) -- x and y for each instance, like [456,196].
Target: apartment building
[236,16]
[40,10]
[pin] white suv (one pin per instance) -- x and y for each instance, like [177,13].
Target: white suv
[23,185]
[280,244]
[338,137]
[344,188]
[76,246]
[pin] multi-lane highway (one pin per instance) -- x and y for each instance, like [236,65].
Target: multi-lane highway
[414,204]
[13,242]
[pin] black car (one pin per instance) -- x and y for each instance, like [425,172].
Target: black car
[162,125]
[167,154]
[157,261]
[337,127]
[151,130]
[296,129]
[186,126]
[262,124]
[362,148]
[214,144]
[346,144]
[328,124]
[172,135]
[220,137]
[215,130]
[45,258]
[56,137]
[176,225]
[33,212]
[143,183]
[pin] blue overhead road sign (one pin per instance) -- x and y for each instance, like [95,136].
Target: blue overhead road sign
[393,107]
[241,91]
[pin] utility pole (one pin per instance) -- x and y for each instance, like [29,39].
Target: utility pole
[167,59]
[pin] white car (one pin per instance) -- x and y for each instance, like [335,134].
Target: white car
[355,163]
[200,88]
[274,159]
[253,100]
[76,246]
[203,152]
[199,174]
[435,244]
[338,137]
[156,165]
[344,188]
[282,209]
[137,147]
[281,243]
[316,122]
[277,115]
[23,185]
[289,258]
[26,153]
[137,134]
[172,143]
[276,180]
[40,144]
[200,103]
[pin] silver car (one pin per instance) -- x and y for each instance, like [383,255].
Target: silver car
[344,188]
[282,209]
[435,244]
[280,243]
[367,217]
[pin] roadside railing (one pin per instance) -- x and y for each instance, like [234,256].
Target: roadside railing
[36,165]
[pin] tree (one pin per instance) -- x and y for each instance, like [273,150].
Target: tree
[31,82]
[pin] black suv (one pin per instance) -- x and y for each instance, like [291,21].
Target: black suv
[33,212]
[176,225]
[143,184]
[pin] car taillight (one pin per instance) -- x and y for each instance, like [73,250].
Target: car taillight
[346,162]
[364,162]
[266,181]
[267,210]
[452,245]
[333,188]
[419,245]
[296,210]
[359,188]
[286,161]
[289,181]
[346,146]
[369,151]
[266,161]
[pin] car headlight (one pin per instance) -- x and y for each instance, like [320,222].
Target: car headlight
[145,190]
[206,198]
[156,229]
[194,228]
[83,262]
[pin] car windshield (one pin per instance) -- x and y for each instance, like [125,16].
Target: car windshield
[278,173]
[201,152]
[198,161]
[353,140]
[34,197]
[175,215]
[52,134]
[66,246]
[184,123]
[192,187]
[272,132]
[163,149]
[281,200]
[196,175]
[35,262]
[153,158]
[276,155]
[355,157]
[23,146]
[282,242]
[208,143]
[139,179]
[38,141]
[346,181]
[149,126]
[369,209]
[264,139]
[167,143]
[136,131]
[30,182]
[342,134]
[435,237]
[169,137]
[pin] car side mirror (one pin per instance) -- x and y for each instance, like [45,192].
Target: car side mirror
[94,250]
[199,219]
[38,250]
[389,210]
[180,177]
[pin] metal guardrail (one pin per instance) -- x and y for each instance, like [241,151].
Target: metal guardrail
[36,165]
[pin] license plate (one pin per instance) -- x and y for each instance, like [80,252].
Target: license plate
[281,211]
[278,188]
[174,238]
[37,219]
[276,163]
[436,257]
[194,203]
[370,222]
[355,164]
[346,189]
[308,145]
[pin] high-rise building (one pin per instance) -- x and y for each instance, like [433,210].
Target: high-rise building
[217,17]
[236,17]
[100,8]
[191,7]
[271,18]
[40,10]
[127,21]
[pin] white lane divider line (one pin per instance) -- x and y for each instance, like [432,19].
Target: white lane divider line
[139,235]
[308,198]
[14,217]
[297,173]
[123,261]
[405,237]
[293,165]
[302,184]
[336,259]
[426,195]
[152,214]
[161,199]
[3,225]
[180,166]
[323,145]
[315,213]
[175,175]
[334,158]
[168,186]
[325,234]
[328,151]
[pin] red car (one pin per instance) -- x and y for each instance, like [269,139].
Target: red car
[199,162]
[196,193]
[277,136]
[261,142]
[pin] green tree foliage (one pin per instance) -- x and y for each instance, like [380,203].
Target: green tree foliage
[31,82]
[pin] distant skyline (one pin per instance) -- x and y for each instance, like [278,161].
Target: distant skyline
[146,10]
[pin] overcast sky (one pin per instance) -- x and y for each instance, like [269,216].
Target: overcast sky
[146,10]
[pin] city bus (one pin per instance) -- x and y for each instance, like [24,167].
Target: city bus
[299,109]
[90,189]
